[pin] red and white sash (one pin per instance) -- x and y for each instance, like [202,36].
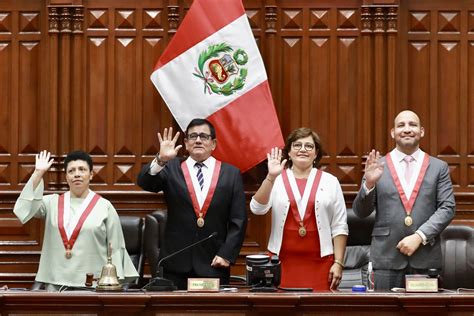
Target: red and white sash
[301,207]
[64,218]
[408,203]
[201,212]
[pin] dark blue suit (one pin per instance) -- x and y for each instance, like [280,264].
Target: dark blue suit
[226,215]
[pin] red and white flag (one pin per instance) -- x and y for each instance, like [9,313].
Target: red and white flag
[212,69]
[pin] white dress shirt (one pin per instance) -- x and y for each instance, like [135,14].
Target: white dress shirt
[207,171]
[400,167]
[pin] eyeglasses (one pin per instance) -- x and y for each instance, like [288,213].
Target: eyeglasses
[306,146]
[202,136]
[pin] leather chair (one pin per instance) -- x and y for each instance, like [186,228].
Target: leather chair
[155,224]
[457,246]
[358,250]
[133,233]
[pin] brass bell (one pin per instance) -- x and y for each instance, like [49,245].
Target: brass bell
[108,280]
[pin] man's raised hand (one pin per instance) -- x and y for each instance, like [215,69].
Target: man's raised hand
[168,148]
[373,169]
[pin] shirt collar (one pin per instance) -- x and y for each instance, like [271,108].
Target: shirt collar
[207,163]
[398,155]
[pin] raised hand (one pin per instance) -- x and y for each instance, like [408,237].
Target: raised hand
[275,165]
[43,161]
[42,164]
[168,148]
[373,169]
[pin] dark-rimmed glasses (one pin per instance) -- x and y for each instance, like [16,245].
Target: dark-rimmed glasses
[202,136]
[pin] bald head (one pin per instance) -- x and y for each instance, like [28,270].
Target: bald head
[406,114]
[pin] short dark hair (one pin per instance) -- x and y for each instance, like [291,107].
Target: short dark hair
[199,122]
[78,155]
[303,132]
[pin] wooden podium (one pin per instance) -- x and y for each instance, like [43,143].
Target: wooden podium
[240,303]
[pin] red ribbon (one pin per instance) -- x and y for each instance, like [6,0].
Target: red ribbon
[408,204]
[311,199]
[201,212]
[68,244]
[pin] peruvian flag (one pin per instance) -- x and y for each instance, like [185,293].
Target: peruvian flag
[212,69]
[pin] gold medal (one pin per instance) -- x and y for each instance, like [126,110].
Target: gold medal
[408,220]
[68,254]
[200,222]
[302,231]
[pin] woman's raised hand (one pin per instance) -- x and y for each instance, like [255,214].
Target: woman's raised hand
[168,148]
[275,165]
[43,161]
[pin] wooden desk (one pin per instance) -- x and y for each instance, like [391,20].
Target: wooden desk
[241,303]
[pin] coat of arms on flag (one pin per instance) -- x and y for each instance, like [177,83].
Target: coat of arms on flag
[221,69]
[212,69]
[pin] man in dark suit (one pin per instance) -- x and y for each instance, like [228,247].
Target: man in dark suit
[203,196]
[412,195]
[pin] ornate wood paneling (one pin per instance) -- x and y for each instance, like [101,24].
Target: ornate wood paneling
[439,84]
[75,74]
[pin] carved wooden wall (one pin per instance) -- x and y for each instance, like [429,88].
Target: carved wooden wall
[75,74]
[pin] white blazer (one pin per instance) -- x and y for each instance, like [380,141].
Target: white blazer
[330,211]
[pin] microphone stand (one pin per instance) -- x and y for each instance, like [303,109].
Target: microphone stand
[161,284]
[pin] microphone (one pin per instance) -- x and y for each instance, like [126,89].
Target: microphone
[161,284]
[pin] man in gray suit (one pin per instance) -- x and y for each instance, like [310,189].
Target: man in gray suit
[412,195]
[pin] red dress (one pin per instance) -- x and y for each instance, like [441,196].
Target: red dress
[301,262]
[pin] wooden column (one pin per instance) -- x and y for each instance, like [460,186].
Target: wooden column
[53,30]
[379,69]
[366,80]
[64,80]
[392,61]
[78,110]
[380,80]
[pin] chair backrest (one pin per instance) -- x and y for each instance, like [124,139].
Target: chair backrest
[155,224]
[457,246]
[133,232]
[358,249]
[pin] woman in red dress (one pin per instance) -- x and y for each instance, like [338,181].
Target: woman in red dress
[309,221]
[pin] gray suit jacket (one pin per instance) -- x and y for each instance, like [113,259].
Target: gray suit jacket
[433,210]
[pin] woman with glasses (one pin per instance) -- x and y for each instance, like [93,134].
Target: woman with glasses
[309,221]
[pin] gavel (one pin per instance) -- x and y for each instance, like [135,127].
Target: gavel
[90,279]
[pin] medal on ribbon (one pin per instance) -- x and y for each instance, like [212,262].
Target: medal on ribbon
[302,230]
[408,204]
[201,212]
[69,242]
[68,254]
[310,201]
[200,221]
